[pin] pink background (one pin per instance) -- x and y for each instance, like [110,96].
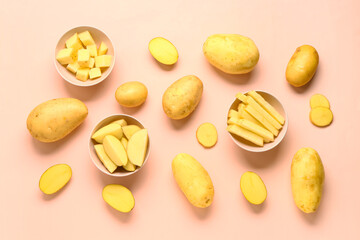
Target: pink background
[29,33]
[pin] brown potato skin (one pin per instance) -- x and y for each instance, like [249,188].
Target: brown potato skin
[182,97]
[52,120]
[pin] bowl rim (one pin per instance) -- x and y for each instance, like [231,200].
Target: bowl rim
[78,82]
[279,138]
[91,146]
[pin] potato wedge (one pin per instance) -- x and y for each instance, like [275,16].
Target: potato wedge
[121,122]
[206,135]
[110,129]
[321,116]
[129,130]
[104,158]
[55,178]
[115,150]
[163,51]
[319,100]
[137,147]
[253,188]
[118,197]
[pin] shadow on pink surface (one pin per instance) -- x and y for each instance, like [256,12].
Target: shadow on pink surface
[239,79]
[131,110]
[50,197]
[164,66]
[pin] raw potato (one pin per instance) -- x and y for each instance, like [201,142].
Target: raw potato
[246,134]
[244,123]
[193,180]
[231,53]
[104,158]
[110,129]
[129,130]
[118,197]
[129,166]
[302,66]
[137,147]
[54,119]
[307,178]
[121,122]
[131,94]
[321,116]
[163,51]
[253,188]
[182,97]
[319,100]
[115,150]
[55,178]
[206,135]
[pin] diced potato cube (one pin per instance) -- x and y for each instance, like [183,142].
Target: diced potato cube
[66,56]
[103,61]
[74,42]
[82,74]
[102,49]
[92,49]
[83,57]
[86,38]
[73,67]
[95,73]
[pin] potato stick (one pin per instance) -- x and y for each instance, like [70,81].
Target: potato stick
[262,132]
[261,119]
[233,113]
[250,136]
[242,97]
[262,111]
[241,106]
[267,106]
[245,115]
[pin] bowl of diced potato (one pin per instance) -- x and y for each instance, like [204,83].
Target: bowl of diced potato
[257,121]
[84,56]
[119,145]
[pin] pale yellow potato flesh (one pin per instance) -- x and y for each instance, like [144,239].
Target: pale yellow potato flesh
[261,119]
[233,114]
[118,197]
[245,115]
[163,51]
[321,116]
[124,142]
[129,166]
[246,134]
[55,178]
[104,158]
[129,130]
[110,129]
[115,150]
[319,100]
[253,188]
[262,132]
[121,122]
[206,134]
[137,147]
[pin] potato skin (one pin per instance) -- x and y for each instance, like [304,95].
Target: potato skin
[302,66]
[131,94]
[182,97]
[52,120]
[193,180]
[231,53]
[307,178]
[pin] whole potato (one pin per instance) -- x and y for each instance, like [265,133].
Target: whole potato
[193,180]
[131,94]
[302,66]
[231,53]
[54,119]
[182,97]
[307,178]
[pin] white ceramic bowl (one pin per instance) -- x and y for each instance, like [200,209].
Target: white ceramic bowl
[267,146]
[98,36]
[119,172]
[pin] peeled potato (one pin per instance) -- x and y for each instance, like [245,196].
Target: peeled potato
[163,51]
[319,100]
[253,188]
[321,116]
[55,178]
[206,135]
[118,197]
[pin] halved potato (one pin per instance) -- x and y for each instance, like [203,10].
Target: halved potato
[55,178]
[118,197]
[253,188]
[163,51]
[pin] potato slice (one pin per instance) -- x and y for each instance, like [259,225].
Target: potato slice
[255,128]
[55,178]
[118,197]
[137,146]
[163,51]
[242,132]
[111,129]
[121,122]
[319,100]
[249,109]
[253,188]
[206,135]
[115,150]
[104,158]
[321,116]
[129,130]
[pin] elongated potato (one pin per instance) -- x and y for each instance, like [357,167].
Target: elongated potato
[182,97]
[55,178]
[302,66]
[118,197]
[193,180]
[52,120]
[307,178]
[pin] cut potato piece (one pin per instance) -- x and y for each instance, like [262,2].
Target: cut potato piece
[233,114]
[129,130]
[121,122]
[115,150]
[104,158]
[124,142]
[267,106]
[163,51]
[253,188]
[137,146]
[245,115]
[319,100]
[242,97]
[55,178]
[111,129]
[261,119]
[250,136]
[207,135]
[262,132]
[129,167]
[321,116]
[118,197]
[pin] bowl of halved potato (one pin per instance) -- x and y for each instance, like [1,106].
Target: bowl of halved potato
[119,145]
[257,121]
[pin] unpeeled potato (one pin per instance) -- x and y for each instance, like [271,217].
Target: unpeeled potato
[118,197]
[55,178]
[131,94]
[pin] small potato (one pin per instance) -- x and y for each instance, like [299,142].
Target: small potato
[55,178]
[163,51]
[206,135]
[131,94]
[118,197]
[302,66]
[307,178]
[231,53]
[253,188]
[321,116]
[319,100]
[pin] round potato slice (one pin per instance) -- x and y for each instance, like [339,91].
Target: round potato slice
[319,100]
[321,116]
[118,197]
[55,178]
[253,188]
[163,51]
[206,135]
